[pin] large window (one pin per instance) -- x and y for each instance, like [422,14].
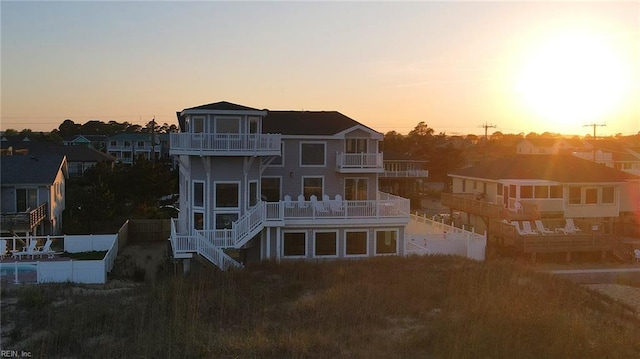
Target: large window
[356,145]
[225,220]
[575,195]
[26,199]
[326,244]
[355,189]
[227,195]
[526,191]
[591,196]
[270,187]
[386,242]
[312,186]
[542,191]
[608,195]
[312,154]
[227,125]
[198,220]
[555,191]
[198,194]
[356,243]
[294,244]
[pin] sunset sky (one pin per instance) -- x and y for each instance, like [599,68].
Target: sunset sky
[521,66]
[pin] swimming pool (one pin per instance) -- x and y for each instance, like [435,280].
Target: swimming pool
[10,268]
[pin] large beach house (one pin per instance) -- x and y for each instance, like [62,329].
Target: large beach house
[274,185]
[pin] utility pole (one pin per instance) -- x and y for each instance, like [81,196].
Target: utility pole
[153,140]
[487,126]
[594,125]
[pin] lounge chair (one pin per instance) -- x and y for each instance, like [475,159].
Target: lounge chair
[541,228]
[287,201]
[336,204]
[46,250]
[318,206]
[636,254]
[526,226]
[520,231]
[302,202]
[569,227]
[29,250]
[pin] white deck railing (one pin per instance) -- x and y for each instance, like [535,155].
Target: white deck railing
[359,161]
[224,143]
[403,174]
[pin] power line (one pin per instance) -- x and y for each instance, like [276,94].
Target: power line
[594,128]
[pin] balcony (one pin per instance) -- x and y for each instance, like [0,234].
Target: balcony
[405,174]
[225,144]
[23,221]
[359,162]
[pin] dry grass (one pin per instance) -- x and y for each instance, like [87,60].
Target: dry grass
[423,307]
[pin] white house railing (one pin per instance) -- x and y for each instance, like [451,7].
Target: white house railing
[346,161]
[225,143]
[403,174]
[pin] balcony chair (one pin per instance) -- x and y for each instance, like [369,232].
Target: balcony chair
[318,206]
[287,201]
[569,227]
[541,228]
[302,202]
[336,205]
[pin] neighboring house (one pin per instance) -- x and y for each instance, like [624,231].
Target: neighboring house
[546,187]
[97,142]
[126,147]
[612,153]
[546,146]
[274,185]
[79,158]
[403,176]
[32,193]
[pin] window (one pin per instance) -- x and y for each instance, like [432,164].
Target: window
[608,194]
[526,191]
[253,193]
[312,154]
[198,220]
[227,195]
[356,243]
[512,191]
[325,244]
[591,196]
[270,187]
[542,191]
[294,244]
[555,192]
[198,125]
[356,145]
[574,195]
[312,186]
[198,194]
[227,125]
[26,199]
[355,189]
[500,188]
[253,124]
[225,220]
[386,242]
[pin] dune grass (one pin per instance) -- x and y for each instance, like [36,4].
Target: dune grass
[421,307]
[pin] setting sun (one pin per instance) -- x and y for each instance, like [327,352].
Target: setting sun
[573,79]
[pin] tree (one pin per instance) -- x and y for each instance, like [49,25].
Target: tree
[68,129]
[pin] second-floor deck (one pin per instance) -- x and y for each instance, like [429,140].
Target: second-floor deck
[359,162]
[23,221]
[225,144]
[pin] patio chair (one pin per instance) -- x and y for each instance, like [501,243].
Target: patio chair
[526,226]
[520,231]
[541,228]
[287,201]
[318,206]
[302,202]
[29,250]
[336,204]
[569,227]
[46,250]
[636,254]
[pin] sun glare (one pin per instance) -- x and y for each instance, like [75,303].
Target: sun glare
[572,80]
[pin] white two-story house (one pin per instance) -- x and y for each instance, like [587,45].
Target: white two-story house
[274,185]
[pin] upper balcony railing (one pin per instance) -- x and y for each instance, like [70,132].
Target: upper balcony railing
[405,174]
[359,162]
[225,144]
[23,221]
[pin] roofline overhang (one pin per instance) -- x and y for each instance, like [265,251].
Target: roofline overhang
[224,112]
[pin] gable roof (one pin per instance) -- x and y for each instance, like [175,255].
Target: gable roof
[222,106]
[19,169]
[311,123]
[74,153]
[557,168]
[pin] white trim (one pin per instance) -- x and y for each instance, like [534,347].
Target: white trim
[375,135]
[315,255]
[306,247]
[366,244]
[193,194]
[215,194]
[375,241]
[223,112]
[324,143]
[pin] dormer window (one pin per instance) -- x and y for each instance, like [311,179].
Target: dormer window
[356,145]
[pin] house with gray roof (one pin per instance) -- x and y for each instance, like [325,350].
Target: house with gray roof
[258,184]
[32,189]
[126,147]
